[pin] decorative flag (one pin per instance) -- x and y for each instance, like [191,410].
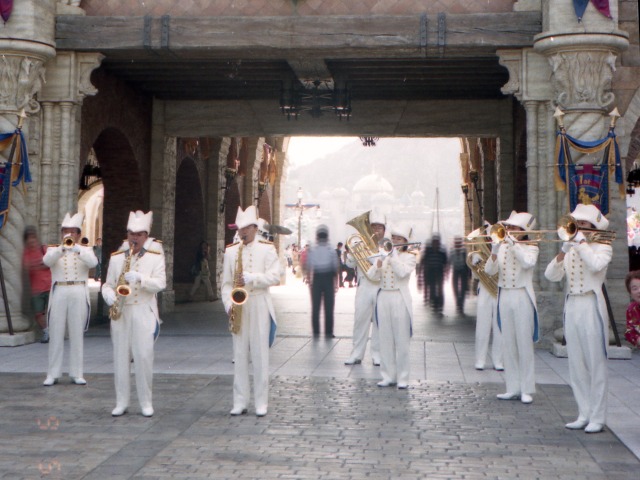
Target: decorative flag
[5,9]
[588,183]
[601,5]
[15,171]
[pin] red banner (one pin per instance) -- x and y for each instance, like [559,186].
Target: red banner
[603,7]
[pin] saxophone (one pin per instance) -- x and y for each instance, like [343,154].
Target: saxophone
[123,290]
[238,296]
[477,243]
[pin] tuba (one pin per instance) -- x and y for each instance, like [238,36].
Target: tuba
[362,245]
[478,245]
[239,296]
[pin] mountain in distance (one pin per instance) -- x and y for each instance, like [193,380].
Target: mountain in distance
[408,164]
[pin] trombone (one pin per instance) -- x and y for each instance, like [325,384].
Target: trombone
[568,229]
[387,247]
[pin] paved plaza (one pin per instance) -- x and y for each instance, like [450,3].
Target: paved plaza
[325,420]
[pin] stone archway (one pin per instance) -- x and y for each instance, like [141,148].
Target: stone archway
[189,221]
[122,185]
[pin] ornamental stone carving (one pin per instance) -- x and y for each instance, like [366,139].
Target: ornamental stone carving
[582,80]
[21,77]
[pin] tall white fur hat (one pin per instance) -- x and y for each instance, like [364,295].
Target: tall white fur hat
[140,221]
[375,216]
[524,220]
[246,218]
[403,231]
[73,221]
[591,214]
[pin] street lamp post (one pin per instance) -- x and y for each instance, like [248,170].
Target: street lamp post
[300,208]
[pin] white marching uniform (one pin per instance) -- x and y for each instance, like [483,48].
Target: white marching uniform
[69,305]
[394,315]
[586,325]
[363,320]
[260,259]
[517,313]
[486,328]
[134,333]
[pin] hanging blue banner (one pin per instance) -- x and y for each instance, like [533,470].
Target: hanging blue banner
[589,185]
[15,171]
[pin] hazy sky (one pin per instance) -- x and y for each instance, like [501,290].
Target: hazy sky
[303,150]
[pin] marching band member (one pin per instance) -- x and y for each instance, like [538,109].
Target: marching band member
[486,321]
[260,270]
[69,305]
[394,310]
[586,321]
[514,260]
[139,262]
[365,303]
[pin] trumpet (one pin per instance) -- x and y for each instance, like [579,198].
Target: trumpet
[388,246]
[68,242]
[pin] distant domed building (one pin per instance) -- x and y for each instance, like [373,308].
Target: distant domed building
[367,188]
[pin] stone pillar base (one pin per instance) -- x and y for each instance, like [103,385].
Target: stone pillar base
[20,338]
[167,301]
[615,353]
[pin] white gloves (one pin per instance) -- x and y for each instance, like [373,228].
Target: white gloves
[579,237]
[248,277]
[133,277]
[566,246]
[495,248]
[109,297]
[75,248]
[475,259]
[509,239]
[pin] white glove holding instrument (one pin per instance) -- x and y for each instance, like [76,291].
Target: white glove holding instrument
[566,246]
[109,297]
[133,277]
[248,277]
[495,248]
[475,259]
[579,238]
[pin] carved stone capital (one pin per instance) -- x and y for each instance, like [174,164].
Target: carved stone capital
[512,61]
[21,77]
[87,63]
[69,77]
[582,79]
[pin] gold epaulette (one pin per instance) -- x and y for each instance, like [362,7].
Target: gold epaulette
[232,244]
[413,252]
[266,241]
[53,245]
[154,251]
[156,240]
[118,252]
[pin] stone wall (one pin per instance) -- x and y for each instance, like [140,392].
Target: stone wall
[291,7]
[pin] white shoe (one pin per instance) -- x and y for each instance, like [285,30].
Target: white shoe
[579,424]
[479,366]
[508,396]
[78,380]
[402,386]
[526,398]
[238,411]
[261,412]
[594,428]
[147,411]
[376,362]
[499,368]
[49,381]
[353,361]
[118,411]
[385,383]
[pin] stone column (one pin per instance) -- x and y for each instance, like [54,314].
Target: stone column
[68,83]
[582,59]
[167,300]
[26,44]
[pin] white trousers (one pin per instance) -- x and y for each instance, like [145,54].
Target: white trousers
[253,340]
[587,358]
[517,321]
[132,334]
[196,284]
[394,325]
[363,320]
[486,324]
[69,309]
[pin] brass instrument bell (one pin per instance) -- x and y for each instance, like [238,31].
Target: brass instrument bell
[68,242]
